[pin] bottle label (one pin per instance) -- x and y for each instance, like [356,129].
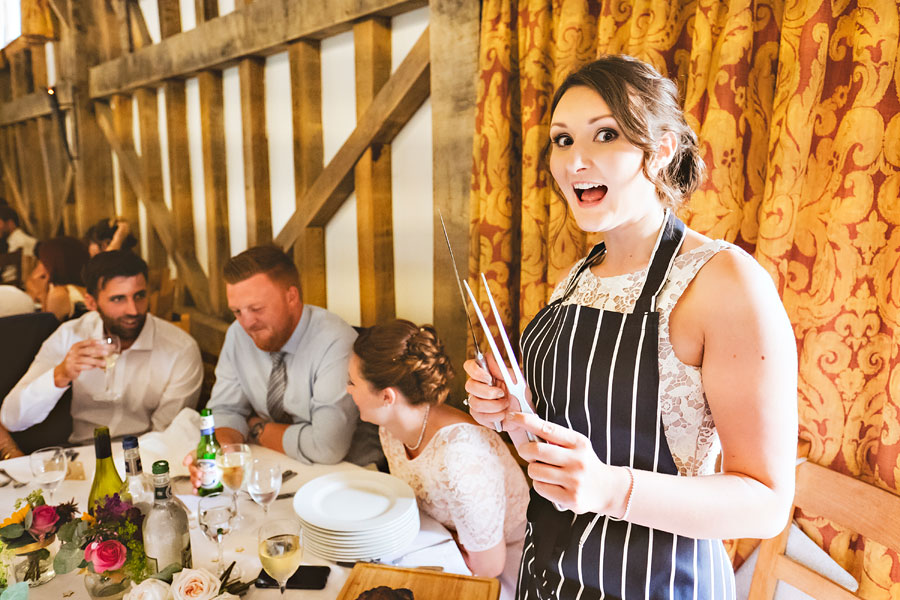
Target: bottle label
[209,473]
[133,466]
[207,424]
[163,492]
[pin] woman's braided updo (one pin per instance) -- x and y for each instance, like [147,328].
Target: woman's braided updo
[402,355]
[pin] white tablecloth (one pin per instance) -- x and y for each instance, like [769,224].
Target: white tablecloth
[432,546]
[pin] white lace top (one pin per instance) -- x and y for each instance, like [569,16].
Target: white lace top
[466,479]
[687,420]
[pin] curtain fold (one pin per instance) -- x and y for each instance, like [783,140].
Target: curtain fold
[797,106]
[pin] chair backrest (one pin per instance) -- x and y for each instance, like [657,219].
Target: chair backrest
[29,331]
[861,507]
[11,268]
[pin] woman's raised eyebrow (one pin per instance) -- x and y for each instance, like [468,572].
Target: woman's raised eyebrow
[592,121]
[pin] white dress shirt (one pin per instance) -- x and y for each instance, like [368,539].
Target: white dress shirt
[19,239]
[157,376]
[325,420]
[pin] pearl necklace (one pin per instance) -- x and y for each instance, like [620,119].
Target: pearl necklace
[422,433]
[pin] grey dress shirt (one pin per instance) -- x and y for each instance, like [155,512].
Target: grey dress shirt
[326,427]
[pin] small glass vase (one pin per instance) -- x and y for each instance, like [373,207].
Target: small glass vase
[107,586]
[33,563]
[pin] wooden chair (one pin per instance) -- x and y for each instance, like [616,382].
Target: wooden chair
[859,506]
[11,268]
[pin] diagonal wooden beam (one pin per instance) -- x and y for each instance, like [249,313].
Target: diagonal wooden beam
[393,106]
[157,212]
[61,9]
[137,22]
[17,196]
[32,106]
[262,28]
[65,192]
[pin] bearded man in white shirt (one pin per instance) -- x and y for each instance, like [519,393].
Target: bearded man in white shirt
[159,370]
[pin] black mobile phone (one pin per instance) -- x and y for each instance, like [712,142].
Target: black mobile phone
[306,577]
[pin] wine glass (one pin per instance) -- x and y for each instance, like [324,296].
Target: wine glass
[48,465]
[215,513]
[233,461]
[280,549]
[264,483]
[112,347]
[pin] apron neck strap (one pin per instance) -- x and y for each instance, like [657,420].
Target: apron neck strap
[671,236]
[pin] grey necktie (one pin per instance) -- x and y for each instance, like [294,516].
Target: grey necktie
[277,384]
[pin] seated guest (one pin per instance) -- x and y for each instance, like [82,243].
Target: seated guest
[159,370]
[282,372]
[109,234]
[462,474]
[55,282]
[12,238]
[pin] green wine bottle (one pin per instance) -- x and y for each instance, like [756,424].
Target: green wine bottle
[106,478]
[207,449]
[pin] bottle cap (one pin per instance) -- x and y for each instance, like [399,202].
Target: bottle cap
[160,467]
[129,442]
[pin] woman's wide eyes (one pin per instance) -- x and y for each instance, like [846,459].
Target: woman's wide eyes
[604,135]
[562,140]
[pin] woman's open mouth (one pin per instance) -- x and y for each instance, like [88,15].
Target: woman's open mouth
[589,193]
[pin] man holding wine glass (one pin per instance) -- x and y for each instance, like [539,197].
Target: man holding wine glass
[157,366]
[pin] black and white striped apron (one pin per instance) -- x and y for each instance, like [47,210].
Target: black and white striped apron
[597,372]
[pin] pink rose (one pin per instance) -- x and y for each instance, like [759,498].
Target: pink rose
[107,555]
[43,521]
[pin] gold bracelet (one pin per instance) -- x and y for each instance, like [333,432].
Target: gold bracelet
[624,516]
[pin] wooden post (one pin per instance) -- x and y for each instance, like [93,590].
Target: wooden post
[176,129]
[123,121]
[212,125]
[454,24]
[372,175]
[151,157]
[256,151]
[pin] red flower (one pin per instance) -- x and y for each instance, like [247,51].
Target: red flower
[43,521]
[107,555]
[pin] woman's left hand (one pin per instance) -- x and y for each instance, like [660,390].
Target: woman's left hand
[566,470]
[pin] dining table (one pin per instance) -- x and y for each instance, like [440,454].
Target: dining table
[433,546]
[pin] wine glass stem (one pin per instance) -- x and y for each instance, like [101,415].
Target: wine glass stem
[282,588]
[220,538]
[108,381]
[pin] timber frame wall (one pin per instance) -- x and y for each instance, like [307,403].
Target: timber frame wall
[106,62]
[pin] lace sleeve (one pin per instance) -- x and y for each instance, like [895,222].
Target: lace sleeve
[472,476]
[564,282]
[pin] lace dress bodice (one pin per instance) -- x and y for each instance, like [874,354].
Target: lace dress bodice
[466,479]
[687,420]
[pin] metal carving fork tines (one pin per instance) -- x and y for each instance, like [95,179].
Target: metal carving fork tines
[516,388]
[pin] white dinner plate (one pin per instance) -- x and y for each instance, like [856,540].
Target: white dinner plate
[408,520]
[386,538]
[362,554]
[353,501]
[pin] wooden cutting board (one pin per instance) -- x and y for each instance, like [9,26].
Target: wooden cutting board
[425,585]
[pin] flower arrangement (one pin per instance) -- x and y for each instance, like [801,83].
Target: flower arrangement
[189,584]
[30,529]
[109,543]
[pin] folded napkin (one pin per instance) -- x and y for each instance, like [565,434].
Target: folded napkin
[179,438]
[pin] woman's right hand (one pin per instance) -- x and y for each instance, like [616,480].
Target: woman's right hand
[488,398]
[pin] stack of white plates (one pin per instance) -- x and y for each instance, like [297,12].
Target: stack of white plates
[356,515]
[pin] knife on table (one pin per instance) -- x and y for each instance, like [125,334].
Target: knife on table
[479,356]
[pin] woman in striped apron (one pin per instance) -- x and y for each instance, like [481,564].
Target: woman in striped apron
[661,350]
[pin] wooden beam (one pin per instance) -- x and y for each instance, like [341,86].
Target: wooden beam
[212,125]
[169,17]
[54,164]
[151,159]
[304,57]
[61,9]
[17,200]
[394,105]
[454,25]
[256,151]
[32,106]
[157,212]
[122,107]
[208,331]
[62,201]
[372,180]
[264,27]
[140,32]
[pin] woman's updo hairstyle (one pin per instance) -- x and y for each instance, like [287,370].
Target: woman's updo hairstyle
[402,355]
[645,105]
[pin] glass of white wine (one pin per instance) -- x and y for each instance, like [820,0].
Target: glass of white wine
[280,549]
[233,461]
[264,483]
[48,465]
[112,347]
[215,513]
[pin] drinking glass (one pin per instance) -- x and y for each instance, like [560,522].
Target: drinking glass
[234,462]
[215,513]
[280,549]
[264,483]
[48,465]
[112,346]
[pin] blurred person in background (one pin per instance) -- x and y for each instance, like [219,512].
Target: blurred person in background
[55,283]
[109,234]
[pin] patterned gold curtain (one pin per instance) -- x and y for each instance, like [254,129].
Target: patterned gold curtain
[796,104]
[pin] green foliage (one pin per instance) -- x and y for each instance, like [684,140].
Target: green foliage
[35,498]
[167,573]
[17,591]
[11,532]
[69,558]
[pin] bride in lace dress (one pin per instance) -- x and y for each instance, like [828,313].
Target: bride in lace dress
[462,474]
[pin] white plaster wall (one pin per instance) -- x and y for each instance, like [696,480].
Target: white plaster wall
[411,166]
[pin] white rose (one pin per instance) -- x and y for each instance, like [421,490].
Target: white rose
[194,584]
[148,589]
